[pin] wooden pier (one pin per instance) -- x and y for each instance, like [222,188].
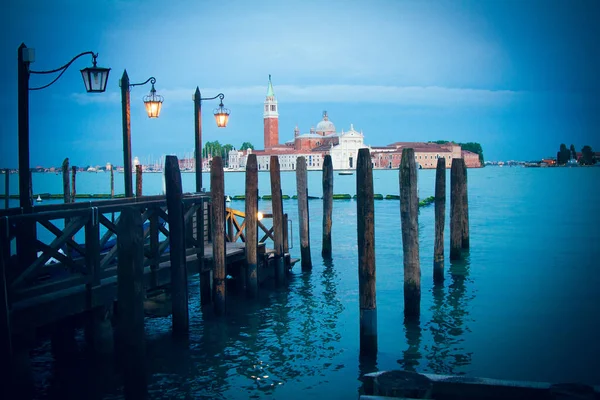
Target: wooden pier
[76,257]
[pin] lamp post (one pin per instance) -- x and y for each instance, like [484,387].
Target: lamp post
[221,116]
[94,78]
[153,103]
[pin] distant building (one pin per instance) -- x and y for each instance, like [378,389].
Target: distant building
[342,146]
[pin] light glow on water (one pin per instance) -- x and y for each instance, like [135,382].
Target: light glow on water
[523,305]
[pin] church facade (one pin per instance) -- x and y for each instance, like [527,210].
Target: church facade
[343,146]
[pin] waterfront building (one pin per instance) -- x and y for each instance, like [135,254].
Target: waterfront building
[342,146]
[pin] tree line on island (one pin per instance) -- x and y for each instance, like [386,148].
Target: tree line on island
[473,147]
[565,154]
[216,149]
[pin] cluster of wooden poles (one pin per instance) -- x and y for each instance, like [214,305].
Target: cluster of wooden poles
[409,212]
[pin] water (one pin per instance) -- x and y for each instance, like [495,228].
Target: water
[524,305]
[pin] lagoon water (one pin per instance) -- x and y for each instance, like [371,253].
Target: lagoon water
[524,305]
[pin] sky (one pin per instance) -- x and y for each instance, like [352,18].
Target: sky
[519,77]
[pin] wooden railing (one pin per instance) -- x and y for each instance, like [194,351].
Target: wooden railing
[75,243]
[235,221]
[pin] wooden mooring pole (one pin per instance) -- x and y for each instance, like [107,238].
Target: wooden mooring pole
[65,178]
[409,213]
[179,287]
[466,242]
[327,205]
[303,213]
[457,208]
[73,178]
[112,182]
[251,226]
[365,213]
[277,207]
[217,191]
[6,349]
[130,301]
[6,187]
[138,180]
[440,216]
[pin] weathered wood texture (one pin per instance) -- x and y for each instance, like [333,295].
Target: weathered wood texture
[138,180]
[126,115]
[303,213]
[73,180]
[198,139]
[365,213]
[466,242]
[251,226]
[6,188]
[327,205]
[409,212]
[112,182]
[179,293]
[5,329]
[440,220]
[217,191]
[66,183]
[130,304]
[457,208]
[277,207]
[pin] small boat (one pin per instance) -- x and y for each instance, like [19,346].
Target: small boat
[39,199]
[345,173]
[228,199]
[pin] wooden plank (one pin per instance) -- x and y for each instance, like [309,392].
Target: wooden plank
[130,294]
[179,289]
[57,232]
[277,207]
[250,222]
[327,205]
[217,190]
[69,231]
[409,214]
[303,213]
[440,220]
[92,248]
[365,215]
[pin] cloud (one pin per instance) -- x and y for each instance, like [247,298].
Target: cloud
[375,94]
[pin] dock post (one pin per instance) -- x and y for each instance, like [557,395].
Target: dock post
[303,213]
[130,301]
[327,205]
[277,206]
[73,176]
[217,192]
[138,180]
[6,188]
[251,226]
[65,178]
[201,224]
[465,205]
[179,289]
[365,213]
[440,220]
[6,349]
[456,209]
[112,183]
[409,218]
[287,259]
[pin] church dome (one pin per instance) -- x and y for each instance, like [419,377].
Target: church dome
[325,125]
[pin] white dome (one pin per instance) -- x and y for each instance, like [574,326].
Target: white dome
[325,125]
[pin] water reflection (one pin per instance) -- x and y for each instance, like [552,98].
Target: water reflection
[449,322]
[412,355]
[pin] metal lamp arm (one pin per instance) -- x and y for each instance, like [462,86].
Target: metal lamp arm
[152,80]
[221,96]
[62,69]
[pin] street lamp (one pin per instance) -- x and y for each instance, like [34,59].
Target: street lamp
[94,78]
[221,116]
[153,104]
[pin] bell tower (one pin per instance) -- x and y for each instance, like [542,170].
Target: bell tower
[271,118]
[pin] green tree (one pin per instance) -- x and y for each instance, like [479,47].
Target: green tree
[246,146]
[587,156]
[563,155]
[573,152]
